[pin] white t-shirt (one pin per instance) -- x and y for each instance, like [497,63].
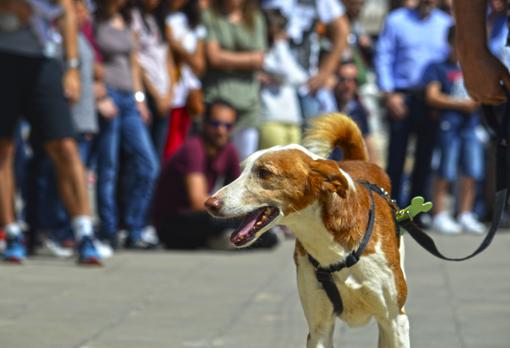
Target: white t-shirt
[187,82]
[279,102]
[189,38]
[152,52]
[181,31]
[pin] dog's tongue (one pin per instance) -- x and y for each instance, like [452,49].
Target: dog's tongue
[244,231]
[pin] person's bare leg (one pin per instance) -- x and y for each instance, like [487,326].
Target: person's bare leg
[73,191]
[6,182]
[466,195]
[440,192]
[70,176]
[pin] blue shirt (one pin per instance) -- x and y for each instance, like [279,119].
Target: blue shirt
[498,35]
[407,45]
[449,76]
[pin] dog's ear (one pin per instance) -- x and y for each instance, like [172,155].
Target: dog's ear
[325,175]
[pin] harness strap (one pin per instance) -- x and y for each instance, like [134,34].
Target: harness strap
[324,274]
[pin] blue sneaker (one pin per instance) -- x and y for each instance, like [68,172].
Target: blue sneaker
[87,252]
[15,251]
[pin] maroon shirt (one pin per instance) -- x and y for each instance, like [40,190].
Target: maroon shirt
[171,196]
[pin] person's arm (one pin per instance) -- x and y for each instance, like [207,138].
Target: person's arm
[482,70]
[437,99]
[136,75]
[384,63]
[69,32]
[196,59]
[221,59]
[196,186]
[337,32]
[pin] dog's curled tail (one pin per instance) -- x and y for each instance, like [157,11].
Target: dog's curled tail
[334,129]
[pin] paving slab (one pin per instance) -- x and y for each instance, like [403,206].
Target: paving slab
[240,299]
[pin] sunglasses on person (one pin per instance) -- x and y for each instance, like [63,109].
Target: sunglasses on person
[218,124]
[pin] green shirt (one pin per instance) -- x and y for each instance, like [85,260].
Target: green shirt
[238,87]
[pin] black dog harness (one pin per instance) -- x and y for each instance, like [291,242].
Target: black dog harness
[324,274]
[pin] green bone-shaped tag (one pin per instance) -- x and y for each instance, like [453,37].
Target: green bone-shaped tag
[418,205]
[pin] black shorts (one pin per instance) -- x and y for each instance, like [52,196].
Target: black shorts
[31,87]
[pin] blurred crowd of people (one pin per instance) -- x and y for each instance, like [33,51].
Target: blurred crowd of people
[144,107]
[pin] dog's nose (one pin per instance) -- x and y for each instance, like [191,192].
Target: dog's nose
[213,204]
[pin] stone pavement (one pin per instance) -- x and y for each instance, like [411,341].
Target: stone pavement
[240,299]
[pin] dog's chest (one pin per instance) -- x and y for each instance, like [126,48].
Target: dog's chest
[366,288]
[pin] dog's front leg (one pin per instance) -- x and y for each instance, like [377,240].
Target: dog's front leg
[316,306]
[394,333]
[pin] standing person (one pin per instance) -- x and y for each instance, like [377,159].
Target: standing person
[43,206]
[412,39]
[124,131]
[31,85]
[458,144]
[361,45]
[185,35]
[280,79]
[235,45]
[304,15]
[156,64]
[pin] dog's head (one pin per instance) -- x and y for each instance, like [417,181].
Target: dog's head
[274,184]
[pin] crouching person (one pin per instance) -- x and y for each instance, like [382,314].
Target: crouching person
[204,163]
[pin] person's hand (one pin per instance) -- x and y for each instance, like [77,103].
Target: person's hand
[315,82]
[72,85]
[482,76]
[267,79]
[469,106]
[145,114]
[163,104]
[258,59]
[107,108]
[396,106]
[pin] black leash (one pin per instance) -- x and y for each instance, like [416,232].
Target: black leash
[324,274]
[499,130]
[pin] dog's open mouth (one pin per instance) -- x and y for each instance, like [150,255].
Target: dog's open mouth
[254,224]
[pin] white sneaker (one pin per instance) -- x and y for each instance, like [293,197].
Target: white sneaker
[445,224]
[103,249]
[470,224]
[58,250]
[150,236]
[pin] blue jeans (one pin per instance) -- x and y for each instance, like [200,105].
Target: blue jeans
[459,147]
[418,122]
[310,106]
[128,133]
[158,128]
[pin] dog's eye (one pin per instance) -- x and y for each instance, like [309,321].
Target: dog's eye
[263,173]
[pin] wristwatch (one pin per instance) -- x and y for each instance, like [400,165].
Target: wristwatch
[73,63]
[139,96]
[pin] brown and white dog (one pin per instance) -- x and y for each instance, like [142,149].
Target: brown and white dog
[326,207]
